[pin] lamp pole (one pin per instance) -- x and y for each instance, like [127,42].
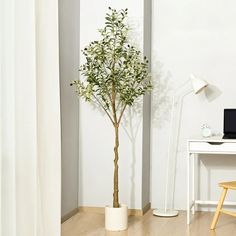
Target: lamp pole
[197,86]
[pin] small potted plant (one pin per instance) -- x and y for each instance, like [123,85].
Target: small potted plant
[113,76]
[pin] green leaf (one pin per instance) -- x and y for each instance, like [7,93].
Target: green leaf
[113,65]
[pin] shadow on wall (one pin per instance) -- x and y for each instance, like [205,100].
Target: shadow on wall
[135,35]
[213,163]
[131,124]
[161,105]
[161,95]
[212,92]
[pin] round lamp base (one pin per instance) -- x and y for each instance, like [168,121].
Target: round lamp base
[167,213]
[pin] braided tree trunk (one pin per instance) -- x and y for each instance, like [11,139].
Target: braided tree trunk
[116,127]
[116,186]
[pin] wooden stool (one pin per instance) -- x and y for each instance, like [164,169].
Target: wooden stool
[225,186]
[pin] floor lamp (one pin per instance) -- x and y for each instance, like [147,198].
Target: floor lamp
[197,86]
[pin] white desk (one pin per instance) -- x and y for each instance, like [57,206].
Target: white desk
[213,145]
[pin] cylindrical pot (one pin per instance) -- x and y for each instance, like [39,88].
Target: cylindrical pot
[116,219]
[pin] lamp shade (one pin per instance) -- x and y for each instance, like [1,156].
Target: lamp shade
[197,84]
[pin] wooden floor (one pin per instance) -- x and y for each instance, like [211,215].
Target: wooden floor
[90,224]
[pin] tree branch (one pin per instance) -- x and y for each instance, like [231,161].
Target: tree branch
[109,95]
[104,109]
[121,114]
[118,105]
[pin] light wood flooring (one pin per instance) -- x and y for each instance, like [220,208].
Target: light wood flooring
[91,224]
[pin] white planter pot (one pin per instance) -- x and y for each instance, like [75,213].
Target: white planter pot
[116,219]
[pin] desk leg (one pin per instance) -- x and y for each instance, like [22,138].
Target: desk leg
[193,183]
[188,188]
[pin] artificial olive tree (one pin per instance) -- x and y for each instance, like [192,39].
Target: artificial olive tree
[113,76]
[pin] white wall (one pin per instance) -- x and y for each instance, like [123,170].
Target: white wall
[192,36]
[96,132]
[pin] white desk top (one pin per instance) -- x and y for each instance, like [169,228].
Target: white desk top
[212,139]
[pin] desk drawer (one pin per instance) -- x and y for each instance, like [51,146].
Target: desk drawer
[207,147]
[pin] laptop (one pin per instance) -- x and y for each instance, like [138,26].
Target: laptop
[229,124]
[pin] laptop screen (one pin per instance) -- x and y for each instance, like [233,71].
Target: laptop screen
[230,121]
